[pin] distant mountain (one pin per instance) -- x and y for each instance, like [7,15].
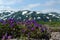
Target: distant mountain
[26,14]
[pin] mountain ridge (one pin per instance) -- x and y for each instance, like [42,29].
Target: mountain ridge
[26,14]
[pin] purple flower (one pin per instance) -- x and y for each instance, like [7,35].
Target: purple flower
[23,31]
[45,28]
[28,34]
[6,35]
[42,29]
[28,22]
[32,29]
[40,25]
[33,21]
[3,38]
[4,23]
[10,20]
[36,25]
[9,37]
[1,20]
[11,25]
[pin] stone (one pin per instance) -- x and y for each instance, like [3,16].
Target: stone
[55,35]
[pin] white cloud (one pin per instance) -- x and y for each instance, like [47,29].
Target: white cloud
[0,1]
[33,5]
[51,3]
[30,6]
[3,7]
[9,2]
[4,4]
[50,10]
[8,8]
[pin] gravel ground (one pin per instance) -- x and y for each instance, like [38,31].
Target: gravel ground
[55,36]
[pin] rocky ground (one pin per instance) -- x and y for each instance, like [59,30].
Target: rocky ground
[55,36]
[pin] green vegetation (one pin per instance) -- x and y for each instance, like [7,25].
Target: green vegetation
[51,24]
[29,28]
[54,26]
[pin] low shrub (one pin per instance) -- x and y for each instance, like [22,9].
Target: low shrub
[28,28]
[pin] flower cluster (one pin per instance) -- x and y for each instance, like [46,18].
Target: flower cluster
[15,29]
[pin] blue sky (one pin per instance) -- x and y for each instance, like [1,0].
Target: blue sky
[34,5]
